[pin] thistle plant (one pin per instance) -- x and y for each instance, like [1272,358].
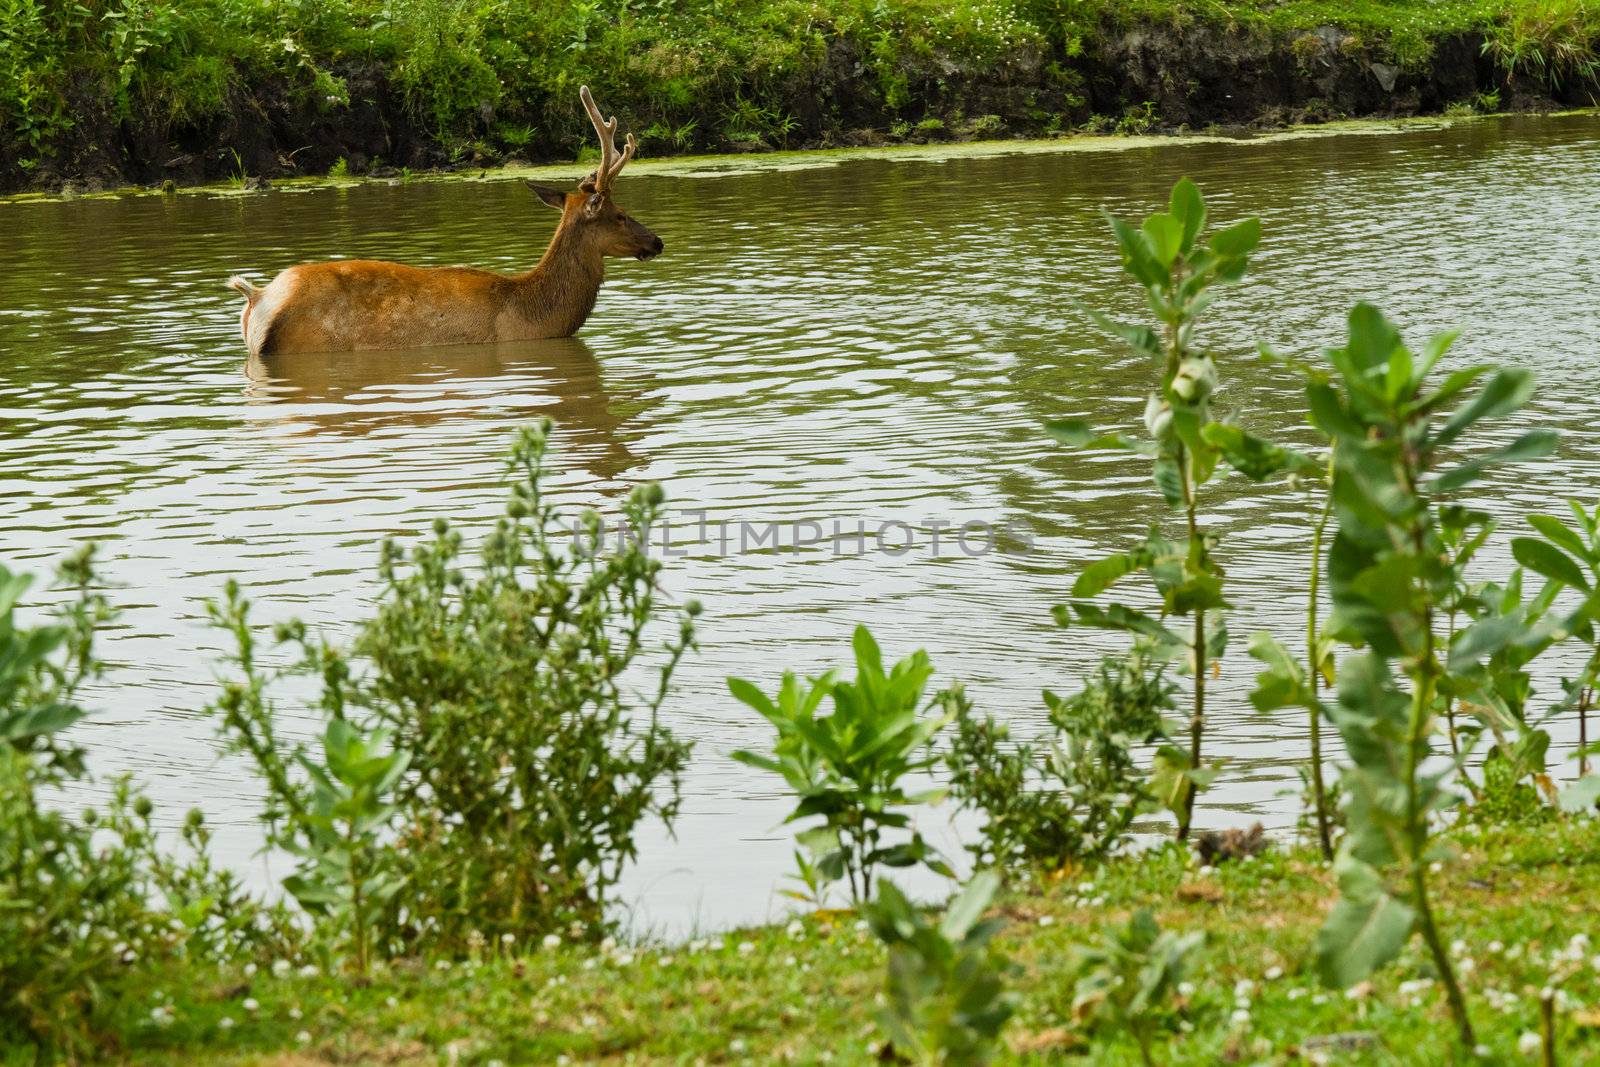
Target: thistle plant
[1179,275]
[1389,574]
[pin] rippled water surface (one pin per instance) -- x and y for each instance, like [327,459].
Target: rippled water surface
[874,341]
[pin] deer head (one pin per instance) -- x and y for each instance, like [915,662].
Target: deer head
[595,217]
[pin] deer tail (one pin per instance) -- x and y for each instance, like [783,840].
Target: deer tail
[244,288]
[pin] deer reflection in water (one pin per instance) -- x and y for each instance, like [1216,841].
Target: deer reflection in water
[354,394]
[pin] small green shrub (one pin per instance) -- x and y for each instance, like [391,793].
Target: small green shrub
[849,767]
[946,1001]
[1074,794]
[1127,980]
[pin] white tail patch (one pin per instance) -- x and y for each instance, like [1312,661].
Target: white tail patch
[251,294]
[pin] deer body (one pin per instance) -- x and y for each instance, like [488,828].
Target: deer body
[359,304]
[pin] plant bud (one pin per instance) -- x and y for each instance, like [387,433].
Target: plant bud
[1157,416]
[1196,378]
[143,807]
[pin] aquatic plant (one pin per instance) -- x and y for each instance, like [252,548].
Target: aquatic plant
[849,767]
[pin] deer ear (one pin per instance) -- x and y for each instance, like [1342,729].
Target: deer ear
[554,197]
[592,206]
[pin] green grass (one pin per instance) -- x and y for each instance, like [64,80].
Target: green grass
[499,75]
[803,991]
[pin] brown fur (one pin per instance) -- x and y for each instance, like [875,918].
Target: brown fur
[362,304]
[352,305]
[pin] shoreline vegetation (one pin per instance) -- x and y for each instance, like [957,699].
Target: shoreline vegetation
[100,94]
[492,743]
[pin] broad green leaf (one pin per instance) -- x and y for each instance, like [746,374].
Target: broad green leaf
[1140,338]
[1544,558]
[1366,929]
[1372,338]
[747,693]
[1137,259]
[1253,457]
[1283,683]
[1188,208]
[968,908]
[1165,237]
[1531,445]
[1100,575]
[1558,533]
[1240,239]
[1504,393]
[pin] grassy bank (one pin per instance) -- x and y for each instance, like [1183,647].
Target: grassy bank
[1514,898]
[115,90]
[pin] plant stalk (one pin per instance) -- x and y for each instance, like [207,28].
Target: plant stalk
[1314,677]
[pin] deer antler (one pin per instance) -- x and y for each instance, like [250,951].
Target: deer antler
[611,161]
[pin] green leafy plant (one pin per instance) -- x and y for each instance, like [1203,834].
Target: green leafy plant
[1389,573]
[1127,980]
[945,988]
[510,688]
[1074,793]
[1178,274]
[849,767]
[1570,558]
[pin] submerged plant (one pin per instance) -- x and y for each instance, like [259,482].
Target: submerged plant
[1389,575]
[1179,275]
[946,1000]
[849,767]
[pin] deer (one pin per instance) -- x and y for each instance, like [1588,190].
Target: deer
[363,304]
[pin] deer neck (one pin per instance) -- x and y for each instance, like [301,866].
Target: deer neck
[557,295]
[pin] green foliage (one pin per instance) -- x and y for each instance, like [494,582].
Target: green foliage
[1126,981]
[1072,795]
[1390,571]
[849,767]
[1179,274]
[945,989]
[495,778]
[81,898]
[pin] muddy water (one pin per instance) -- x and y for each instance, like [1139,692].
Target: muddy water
[865,342]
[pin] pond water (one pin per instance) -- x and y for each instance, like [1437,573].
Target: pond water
[870,341]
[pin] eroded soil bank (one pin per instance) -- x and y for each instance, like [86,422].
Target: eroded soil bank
[1149,79]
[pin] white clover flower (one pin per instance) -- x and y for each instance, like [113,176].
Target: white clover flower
[309,971]
[294,1012]
[1296,993]
[1530,1043]
[552,941]
[665,961]
[250,1004]
[508,939]
[225,1023]
[280,968]
[1047,920]
[1243,987]
[1206,870]
[1458,947]
[1466,965]
[249,970]
[717,945]
[442,965]
[796,929]
[624,960]
[862,926]
[1185,989]
[1273,973]
[1240,1018]
[391,1002]
[1085,887]
[608,945]
[736,1046]
[746,947]
[1496,947]
[304,1037]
